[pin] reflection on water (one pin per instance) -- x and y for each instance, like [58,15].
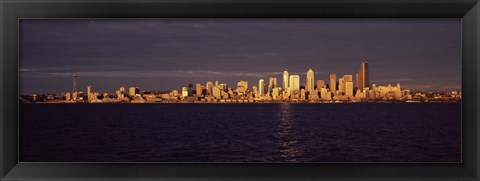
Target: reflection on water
[287,143]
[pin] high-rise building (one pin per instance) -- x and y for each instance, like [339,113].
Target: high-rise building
[89,90]
[294,86]
[209,87]
[341,85]
[272,83]
[320,85]
[89,93]
[216,92]
[349,89]
[242,87]
[198,89]
[184,91]
[333,83]
[261,87]
[285,80]
[309,85]
[363,76]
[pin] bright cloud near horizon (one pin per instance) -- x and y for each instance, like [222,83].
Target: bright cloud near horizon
[164,54]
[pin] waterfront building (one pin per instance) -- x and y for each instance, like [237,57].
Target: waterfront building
[217,93]
[349,89]
[272,83]
[184,91]
[341,86]
[261,87]
[320,84]
[285,80]
[363,76]
[313,95]
[275,92]
[309,84]
[223,87]
[198,90]
[67,96]
[216,83]
[209,86]
[122,90]
[323,93]
[89,93]
[132,91]
[294,86]
[302,94]
[333,83]
[255,91]
[242,87]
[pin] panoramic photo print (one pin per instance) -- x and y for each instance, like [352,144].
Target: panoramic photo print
[240,90]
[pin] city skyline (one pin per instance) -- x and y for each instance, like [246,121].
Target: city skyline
[339,90]
[168,54]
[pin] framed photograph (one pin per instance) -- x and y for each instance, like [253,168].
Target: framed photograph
[240,90]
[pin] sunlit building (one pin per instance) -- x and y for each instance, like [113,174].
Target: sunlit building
[285,80]
[294,86]
[209,87]
[198,90]
[341,86]
[310,81]
[184,91]
[349,89]
[242,87]
[261,87]
[132,91]
[333,82]
[320,84]
[272,83]
[363,80]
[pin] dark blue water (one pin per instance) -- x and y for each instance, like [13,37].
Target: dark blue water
[375,132]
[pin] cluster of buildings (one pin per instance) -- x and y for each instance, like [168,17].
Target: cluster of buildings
[336,89]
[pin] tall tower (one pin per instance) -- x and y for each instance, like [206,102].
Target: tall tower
[333,83]
[310,81]
[261,87]
[272,83]
[363,81]
[365,73]
[74,83]
[294,86]
[285,79]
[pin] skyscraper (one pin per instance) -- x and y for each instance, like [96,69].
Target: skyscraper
[349,89]
[199,89]
[209,87]
[333,83]
[272,83]
[320,85]
[294,86]
[341,85]
[261,87]
[363,76]
[285,80]
[309,85]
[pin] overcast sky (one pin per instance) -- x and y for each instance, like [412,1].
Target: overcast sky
[163,54]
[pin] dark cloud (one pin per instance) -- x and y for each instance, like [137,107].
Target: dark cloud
[169,53]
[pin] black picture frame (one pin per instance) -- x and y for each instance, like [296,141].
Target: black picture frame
[12,10]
